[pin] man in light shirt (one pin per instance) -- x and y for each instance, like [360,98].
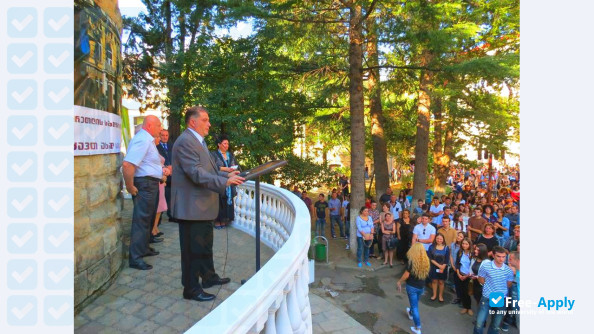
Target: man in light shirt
[142,173]
[424,232]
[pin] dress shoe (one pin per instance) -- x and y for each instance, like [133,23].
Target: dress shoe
[155,240]
[200,296]
[152,253]
[141,266]
[216,281]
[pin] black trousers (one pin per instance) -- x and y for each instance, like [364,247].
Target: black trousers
[477,290]
[196,241]
[143,216]
[462,288]
[168,198]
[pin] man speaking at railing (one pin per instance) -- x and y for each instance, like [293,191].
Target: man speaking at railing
[195,204]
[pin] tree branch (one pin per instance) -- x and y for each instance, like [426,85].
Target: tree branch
[369,11]
[278,17]
[403,68]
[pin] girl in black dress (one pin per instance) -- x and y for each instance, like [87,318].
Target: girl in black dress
[480,254]
[488,238]
[225,161]
[406,227]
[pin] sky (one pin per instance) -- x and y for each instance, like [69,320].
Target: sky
[135,7]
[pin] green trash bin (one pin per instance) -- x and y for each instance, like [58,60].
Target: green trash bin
[320,252]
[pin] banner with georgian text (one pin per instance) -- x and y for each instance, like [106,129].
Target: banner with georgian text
[96,131]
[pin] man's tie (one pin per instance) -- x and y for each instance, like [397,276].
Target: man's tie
[204,144]
[165,146]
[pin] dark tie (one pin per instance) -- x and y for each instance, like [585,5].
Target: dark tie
[165,146]
[204,144]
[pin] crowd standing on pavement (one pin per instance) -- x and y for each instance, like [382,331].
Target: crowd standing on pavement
[470,238]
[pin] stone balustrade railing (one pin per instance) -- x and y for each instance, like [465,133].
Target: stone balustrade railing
[275,299]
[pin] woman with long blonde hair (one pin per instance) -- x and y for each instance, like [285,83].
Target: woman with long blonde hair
[415,275]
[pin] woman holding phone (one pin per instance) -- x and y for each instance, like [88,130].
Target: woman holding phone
[225,161]
[365,231]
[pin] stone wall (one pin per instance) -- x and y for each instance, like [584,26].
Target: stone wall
[98,250]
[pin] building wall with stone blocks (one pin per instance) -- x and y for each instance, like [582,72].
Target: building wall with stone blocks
[98,248]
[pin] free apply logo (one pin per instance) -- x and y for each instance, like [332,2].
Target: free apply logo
[498,299]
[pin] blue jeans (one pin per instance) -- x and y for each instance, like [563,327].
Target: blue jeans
[414,294]
[320,226]
[362,250]
[509,318]
[482,315]
[336,219]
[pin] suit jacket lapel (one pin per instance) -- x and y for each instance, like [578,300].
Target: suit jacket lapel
[200,147]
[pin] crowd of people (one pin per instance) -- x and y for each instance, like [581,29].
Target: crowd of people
[468,239]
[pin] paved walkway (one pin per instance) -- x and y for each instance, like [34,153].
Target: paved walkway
[151,301]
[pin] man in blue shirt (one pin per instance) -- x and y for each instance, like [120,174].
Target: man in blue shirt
[334,207]
[495,276]
[428,195]
[514,263]
[447,212]
[142,173]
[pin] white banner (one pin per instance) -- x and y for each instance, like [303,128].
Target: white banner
[96,131]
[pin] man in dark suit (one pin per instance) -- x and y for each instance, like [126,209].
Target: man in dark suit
[165,148]
[195,204]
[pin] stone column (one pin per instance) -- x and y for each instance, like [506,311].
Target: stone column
[98,250]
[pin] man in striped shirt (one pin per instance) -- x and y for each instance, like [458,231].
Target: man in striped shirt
[495,276]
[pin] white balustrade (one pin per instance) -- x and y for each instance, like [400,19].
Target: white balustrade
[276,298]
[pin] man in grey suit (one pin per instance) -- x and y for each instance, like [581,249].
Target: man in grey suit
[195,204]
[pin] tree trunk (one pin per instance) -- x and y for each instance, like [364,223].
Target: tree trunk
[441,161]
[380,151]
[357,119]
[422,137]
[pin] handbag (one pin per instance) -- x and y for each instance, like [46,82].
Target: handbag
[470,287]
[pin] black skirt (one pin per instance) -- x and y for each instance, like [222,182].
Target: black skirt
[226,211]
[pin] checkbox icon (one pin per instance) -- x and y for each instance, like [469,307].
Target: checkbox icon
[22,238]
[21,22]
[22,94]
[58,131]
[22,58]
[59,166]
[21,130]
[58,310]
[58,202]
[22,166]
[21,202]
[58,274]
[57,94]
[496,299]
[22,274]
[58,238]
[21,310]
[58,22]
[58,58]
